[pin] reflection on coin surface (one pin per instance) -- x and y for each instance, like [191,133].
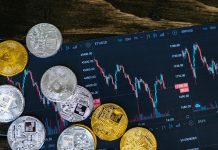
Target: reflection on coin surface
[76,137]
[13,58]
[109,122]
[78,107]
[138,138]
[44,40]
[58,83]
[95,139]
[26,133]
[11,103]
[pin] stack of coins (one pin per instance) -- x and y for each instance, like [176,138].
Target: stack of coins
[74,102]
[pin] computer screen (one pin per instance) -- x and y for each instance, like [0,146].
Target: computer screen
[166,81]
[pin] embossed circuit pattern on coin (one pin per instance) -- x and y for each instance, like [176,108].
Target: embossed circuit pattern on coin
[58,83]
[78,107]
[76,138]
[11,103]
[138,138]
[109,122]
[13,58]
[26,133]
[44,40]
[95,139]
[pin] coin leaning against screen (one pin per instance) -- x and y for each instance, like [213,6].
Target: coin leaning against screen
[76,137]
[26,133]
[138,138]
[11,103]
[58,83]
[44,40]
[78,107]
[109,122]
[13,58]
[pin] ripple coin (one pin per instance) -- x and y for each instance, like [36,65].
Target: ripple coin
[76,137]
[58,83]
[109,122]
[78,107]
[138,138]
[11,103]
[26,133]
[13,58]
[44,40]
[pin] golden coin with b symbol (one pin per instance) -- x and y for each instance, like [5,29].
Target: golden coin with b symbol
[138,138]
[13,58]
[109,122]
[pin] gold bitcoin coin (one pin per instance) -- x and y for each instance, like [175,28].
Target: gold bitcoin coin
[13,58]
[109,122]
[138,138]
[95,139]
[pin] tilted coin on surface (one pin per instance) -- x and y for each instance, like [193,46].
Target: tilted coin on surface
[11,103]
[58,83]
[13,58]
[44,40]
[26,133]
[109,122]
[78,107]
[138,138]
[76,137]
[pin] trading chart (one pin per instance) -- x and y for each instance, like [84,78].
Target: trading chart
[165,80]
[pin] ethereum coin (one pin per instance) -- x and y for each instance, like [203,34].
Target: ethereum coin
[78,107]
[76,137]
[26,133]
[13,58]
[44,40]
[109,122]
[11,103]
[58,83]
[138,138]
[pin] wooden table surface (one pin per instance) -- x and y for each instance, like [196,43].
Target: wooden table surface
[86,19]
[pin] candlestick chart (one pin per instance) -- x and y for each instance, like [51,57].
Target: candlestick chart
[165,83]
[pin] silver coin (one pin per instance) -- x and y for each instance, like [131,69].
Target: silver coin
[76,138]
[58,83]
[26,133]
[78,107]
[44,40]
[11,103]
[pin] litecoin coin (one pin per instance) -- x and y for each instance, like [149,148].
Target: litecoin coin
[26,133]
[11,103]
[109,122]
[78,107]
[44,40]
[13,58]
[76,137]
[58,83]
[138,138]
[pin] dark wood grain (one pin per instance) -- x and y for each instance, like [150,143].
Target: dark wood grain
[86,19]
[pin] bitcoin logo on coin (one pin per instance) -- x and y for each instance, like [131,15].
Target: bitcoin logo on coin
[13,58]
[11,103]
[78,107]
[76,137]
[26,133]
[58,83]
[44,40]
[138,138]
[109,122]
